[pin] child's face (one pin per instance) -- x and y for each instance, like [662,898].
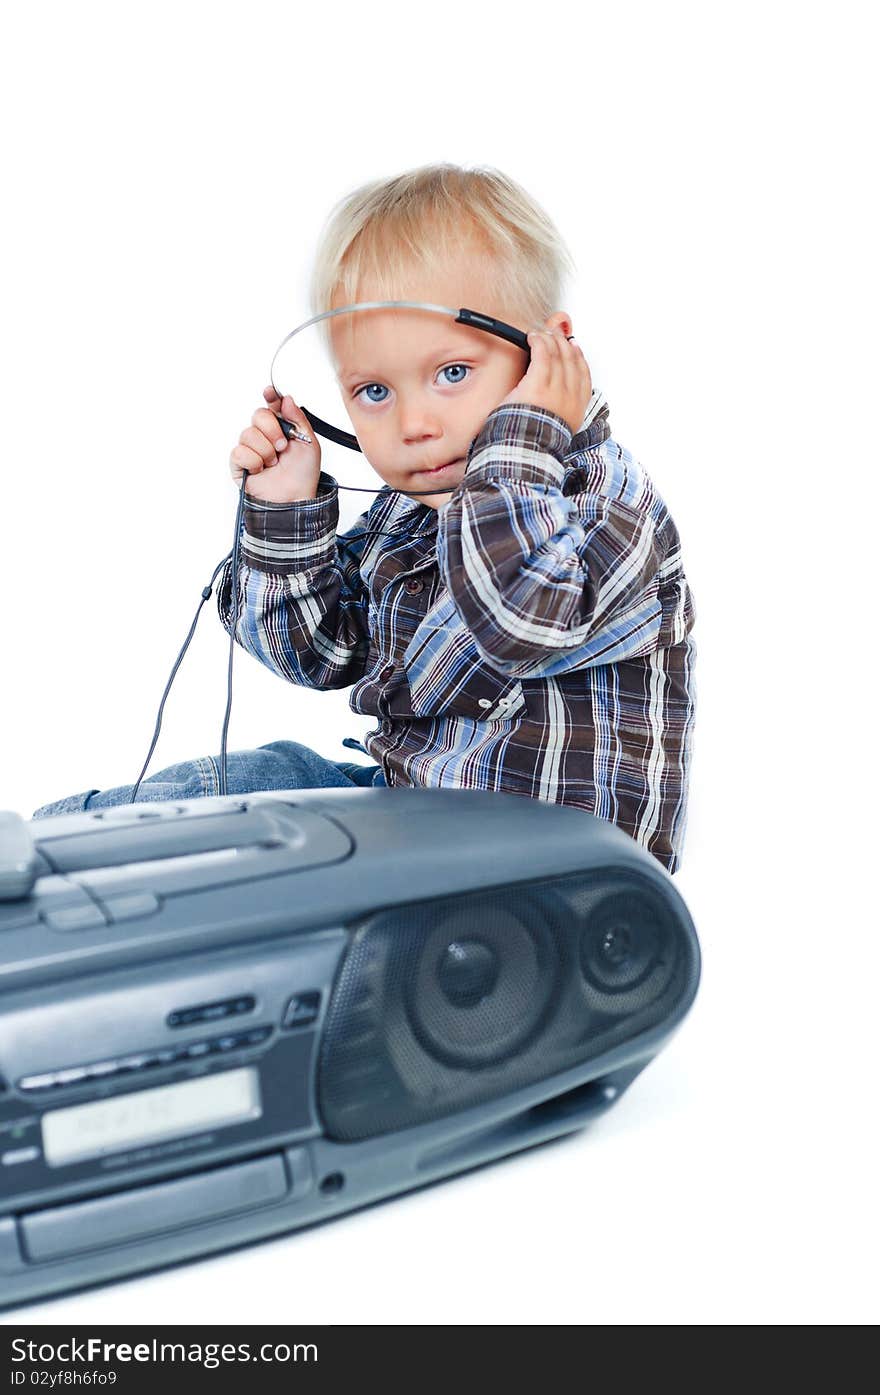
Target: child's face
[418,387]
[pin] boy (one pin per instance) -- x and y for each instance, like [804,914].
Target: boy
[526,628]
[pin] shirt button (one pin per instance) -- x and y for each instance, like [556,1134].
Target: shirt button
[414,586]
[386,672]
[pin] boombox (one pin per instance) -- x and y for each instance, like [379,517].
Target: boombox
[230,1017]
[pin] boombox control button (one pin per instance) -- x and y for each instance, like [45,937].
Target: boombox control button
[211,1012]
[72,1076]
[133,1063]
[75,918]
[168,1056]
[131,906]
[37,1082]
[302,1009]
[251,1038]
[19,1155]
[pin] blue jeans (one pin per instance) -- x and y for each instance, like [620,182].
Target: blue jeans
[280,765]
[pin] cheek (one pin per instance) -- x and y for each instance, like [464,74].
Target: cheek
[373,444]
[502,380]
[513,374]
[373,431]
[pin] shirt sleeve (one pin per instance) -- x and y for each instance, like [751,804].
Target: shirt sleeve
[302,603]
[549,583]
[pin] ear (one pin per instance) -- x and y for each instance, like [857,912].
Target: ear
[560,319]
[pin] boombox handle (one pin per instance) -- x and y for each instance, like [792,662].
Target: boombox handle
[553,1118]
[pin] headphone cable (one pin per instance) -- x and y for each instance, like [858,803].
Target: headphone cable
[206,594]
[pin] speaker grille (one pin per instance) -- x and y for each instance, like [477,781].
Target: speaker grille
[442,1005]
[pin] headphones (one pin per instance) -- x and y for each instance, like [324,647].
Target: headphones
[472,318]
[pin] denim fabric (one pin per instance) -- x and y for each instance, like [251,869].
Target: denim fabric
[280,765]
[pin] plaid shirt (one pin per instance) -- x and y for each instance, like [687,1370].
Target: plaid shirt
[531,636]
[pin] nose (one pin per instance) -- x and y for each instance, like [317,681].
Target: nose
[418,422]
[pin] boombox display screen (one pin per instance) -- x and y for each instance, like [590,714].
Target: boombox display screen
[148,1116]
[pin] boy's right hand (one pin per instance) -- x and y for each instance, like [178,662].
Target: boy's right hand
[279,471]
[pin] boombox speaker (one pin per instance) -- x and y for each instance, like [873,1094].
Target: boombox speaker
[226,1018]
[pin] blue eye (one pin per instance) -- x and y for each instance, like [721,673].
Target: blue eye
[457,368]
[367,390]
[452,374]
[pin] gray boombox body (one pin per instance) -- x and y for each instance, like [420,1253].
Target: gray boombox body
[226,1018]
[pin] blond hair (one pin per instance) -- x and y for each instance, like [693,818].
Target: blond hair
[419,219]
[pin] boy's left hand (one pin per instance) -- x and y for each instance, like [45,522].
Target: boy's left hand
[558,377]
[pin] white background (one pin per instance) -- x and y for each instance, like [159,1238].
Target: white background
[167,172]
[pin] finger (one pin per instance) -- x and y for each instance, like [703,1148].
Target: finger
[554,350]
[272,432]
[578,382]
[585,370]
[582,367]
[573,361]
[291,412]
[256,439]
[243,458]
[540,368]
[568,348]
[266,422]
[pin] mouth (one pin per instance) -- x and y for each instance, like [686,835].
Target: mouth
[439,469]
